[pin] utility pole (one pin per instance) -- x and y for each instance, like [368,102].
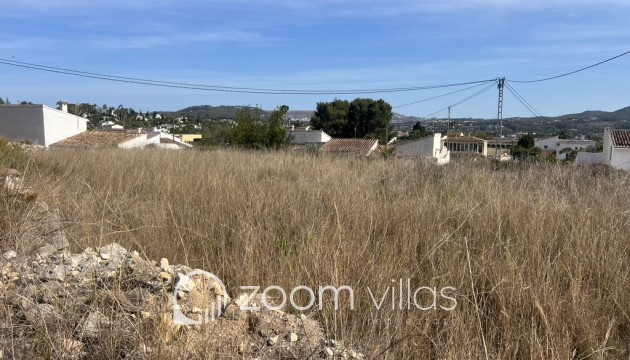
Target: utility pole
[448,124]
[500,84]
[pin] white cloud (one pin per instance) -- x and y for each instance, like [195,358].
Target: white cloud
[168,39]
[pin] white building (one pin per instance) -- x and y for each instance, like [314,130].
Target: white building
[310,138]
[586,158]
[555,144]
[617,148]
[110,125]
[430,148]
[39,124]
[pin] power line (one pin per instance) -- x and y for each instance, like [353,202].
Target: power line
[442,95]
[463,100]
[523,101]
[181,85]
[572,72]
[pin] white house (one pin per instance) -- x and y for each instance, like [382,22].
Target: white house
[110,125]
[617,148]
[309,138]
[39,124]
[430,148]
[586,158]
[458,143]
[555,144]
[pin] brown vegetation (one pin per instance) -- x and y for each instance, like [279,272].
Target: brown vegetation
[538,254]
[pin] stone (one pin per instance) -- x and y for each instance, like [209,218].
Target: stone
[69,349]
[292,337]
[58,239]
[164,265]
[53,273]
[46,250]
[39,313]
[185,283]
[73,261]
[94,324]
[272,340]
[112,250]
[164,276]
[11,254]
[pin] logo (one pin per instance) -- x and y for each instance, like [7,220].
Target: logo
[179,318]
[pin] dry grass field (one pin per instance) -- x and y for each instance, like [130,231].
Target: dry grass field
[538,255]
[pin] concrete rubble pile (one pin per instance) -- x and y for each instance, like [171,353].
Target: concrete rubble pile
[112,301]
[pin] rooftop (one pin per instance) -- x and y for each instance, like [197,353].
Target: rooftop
[620,138]
[360,146]
[463,138]
[97,139]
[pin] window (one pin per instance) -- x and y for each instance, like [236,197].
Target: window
[545,146]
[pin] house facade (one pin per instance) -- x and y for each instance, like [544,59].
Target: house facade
[557,145]
[617,148]
[430,148]
[39,124]
[460,144]
[312,139]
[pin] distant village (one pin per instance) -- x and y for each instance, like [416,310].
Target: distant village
[102,127]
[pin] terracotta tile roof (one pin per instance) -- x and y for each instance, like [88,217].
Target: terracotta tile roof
[97,139]
[620,138]
[354,146]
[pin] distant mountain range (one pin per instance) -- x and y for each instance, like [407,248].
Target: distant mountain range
[207,112]
[590,123]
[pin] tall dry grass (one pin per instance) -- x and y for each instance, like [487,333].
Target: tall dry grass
[538,254]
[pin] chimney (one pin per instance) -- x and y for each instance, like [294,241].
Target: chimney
[63,106]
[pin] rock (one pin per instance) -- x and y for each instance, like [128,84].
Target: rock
[164,276]
[94,324]
[39,313]
[327,353]
[113,250]
[273,340]
[164,265]
[9,255]
[292,337]
[58,238]
[73,262]
[46,250]
[69,349]
[53,273]
[13,182]
[185,283]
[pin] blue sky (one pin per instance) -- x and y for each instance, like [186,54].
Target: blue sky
[315,45]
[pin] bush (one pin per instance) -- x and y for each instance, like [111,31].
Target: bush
[12,156]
